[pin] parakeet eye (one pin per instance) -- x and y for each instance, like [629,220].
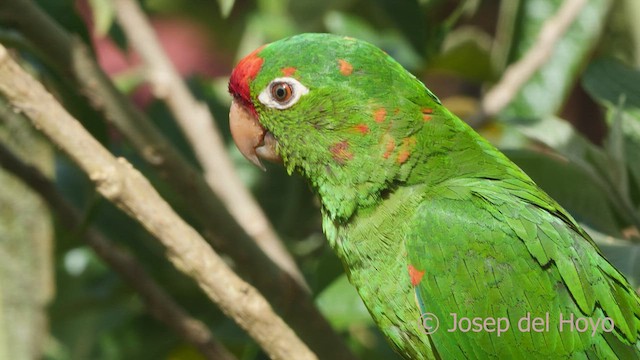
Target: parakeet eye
[282,93]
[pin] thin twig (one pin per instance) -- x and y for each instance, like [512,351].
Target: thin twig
[198,125]
[120,183]
[518,73]
[158,302]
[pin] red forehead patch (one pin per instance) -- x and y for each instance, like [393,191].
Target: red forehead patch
[289,71]
[246,70]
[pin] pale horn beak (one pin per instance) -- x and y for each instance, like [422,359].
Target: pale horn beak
[253,140]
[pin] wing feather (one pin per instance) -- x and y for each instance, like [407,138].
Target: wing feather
[508,250]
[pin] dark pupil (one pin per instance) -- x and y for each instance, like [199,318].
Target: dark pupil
[281,92]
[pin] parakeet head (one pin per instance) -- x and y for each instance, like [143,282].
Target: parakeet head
[339,110]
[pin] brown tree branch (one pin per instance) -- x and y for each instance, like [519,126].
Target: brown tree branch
[198,125]
[119,182]
[158,302]
[518,73]
[72,60]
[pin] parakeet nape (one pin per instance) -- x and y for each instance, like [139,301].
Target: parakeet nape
[428,218]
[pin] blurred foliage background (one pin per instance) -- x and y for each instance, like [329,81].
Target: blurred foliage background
[574,127]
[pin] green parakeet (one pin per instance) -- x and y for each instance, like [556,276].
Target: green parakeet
[455,251]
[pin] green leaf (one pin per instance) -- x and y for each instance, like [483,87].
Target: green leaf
[615,150]
[607,80]
[617,87]
[596,163]
[631,130]
[505,32]
[340,303]
[129,80]
[461,45]
[631,9]
[623,254]
[310,14]
[589,202]
[545,91]
[271,22]
[103,16]
[225,7]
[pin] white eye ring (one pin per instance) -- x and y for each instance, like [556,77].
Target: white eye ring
[297,90]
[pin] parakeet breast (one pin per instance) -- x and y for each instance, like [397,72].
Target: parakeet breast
[375,259]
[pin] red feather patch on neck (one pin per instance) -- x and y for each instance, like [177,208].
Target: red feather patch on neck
[246,70]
